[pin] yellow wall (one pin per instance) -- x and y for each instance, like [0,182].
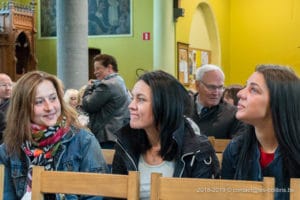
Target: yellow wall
[220,10]
[199,35]
[263,31]
[250,32]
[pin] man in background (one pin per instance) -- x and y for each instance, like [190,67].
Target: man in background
[106,101]
[5,91]
[213,116]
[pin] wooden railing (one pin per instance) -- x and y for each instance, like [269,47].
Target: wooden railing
[210,189]
[80,183]
[127,186]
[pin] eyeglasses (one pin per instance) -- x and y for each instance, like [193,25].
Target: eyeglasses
[213,87]
[7,85]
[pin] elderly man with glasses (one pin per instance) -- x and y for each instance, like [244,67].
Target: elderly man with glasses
[213,116]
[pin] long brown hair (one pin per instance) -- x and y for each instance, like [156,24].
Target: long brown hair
[20,110]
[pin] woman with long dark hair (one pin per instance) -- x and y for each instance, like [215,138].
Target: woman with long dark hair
[160,136]
[270,105]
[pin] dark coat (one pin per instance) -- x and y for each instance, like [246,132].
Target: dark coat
[2,125]
[107,102]
[4,105]
[219,121]
[232,170]
[196,159]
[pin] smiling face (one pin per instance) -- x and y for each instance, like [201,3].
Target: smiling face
[101,71]
[46,106]
[141,115]
[254,104]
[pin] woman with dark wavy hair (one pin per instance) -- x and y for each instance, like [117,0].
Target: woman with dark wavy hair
[270,105]
[160,137]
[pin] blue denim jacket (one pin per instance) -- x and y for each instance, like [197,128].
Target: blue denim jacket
[274,169]
[80,151]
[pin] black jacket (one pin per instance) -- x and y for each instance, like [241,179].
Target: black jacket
[196,159]
[4,106]
[2,125]
[219,121]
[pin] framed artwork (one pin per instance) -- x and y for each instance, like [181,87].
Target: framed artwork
[183,63]
[47,22]
[197,57]
[105,18]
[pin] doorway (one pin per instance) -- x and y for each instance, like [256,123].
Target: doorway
[22,49]
[92,53]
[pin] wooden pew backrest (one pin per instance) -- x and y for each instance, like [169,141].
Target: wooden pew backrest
[107,185]
[210,189]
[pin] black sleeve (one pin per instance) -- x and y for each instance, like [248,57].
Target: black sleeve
[118,165]
[2,125]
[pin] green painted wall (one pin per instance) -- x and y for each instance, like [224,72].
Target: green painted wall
[131,52]
[250,32]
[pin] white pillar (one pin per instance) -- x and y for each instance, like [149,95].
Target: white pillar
[72,42]
[163,36]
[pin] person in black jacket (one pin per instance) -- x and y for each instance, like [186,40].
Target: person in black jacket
[2,125]
[160,136]
[214,116]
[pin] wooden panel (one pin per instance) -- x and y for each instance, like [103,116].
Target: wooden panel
[220,157]
[182,63]
[108,155]
[15,20]
[210,189]
[219,144]
[1,181]
[107,185]
[295,189]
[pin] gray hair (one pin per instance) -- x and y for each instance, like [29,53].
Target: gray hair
[206,68]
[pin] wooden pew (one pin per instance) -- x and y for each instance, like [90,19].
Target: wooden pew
[108,155]
[165,188]
[219,144]
[295,189]
[1,181]
[106,185]
[220,157]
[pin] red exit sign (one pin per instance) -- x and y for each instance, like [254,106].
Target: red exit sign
[146,35]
